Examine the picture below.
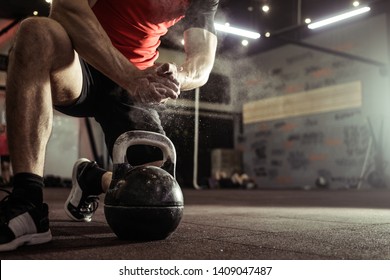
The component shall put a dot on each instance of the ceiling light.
(356, 3)
(267, 34)
(182, 42)
(48, 1)
(245, 43)
(236, 31)
(265, 8)
(35, 13)
(338, 18)
(308, 20)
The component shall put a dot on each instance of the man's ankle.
(92, 179)
(28, 187)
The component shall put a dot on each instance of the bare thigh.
(43, 46)
(66, 75)
(66, 83)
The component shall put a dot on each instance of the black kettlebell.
(143, 202)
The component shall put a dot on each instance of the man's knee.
(39, 37)
(33, 32)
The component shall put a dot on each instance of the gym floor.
(236, 224)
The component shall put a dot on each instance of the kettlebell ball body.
(143, 202)
(147, 204)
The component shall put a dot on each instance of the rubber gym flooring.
(236, 224)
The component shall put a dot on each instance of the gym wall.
(316, 119)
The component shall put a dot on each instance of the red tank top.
(135, 26)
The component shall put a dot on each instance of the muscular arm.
(90, 40)
(93, 44)
(200, 48)
(200, 43)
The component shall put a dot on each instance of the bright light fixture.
(265, 8)
(245, 43)
(338, 18)
(236, 31)
(307, 20)
(356, 3)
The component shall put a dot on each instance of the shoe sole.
(28, 239)
(75, 185)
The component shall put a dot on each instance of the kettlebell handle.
(140, 137)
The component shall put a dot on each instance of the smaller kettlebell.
(143, 202)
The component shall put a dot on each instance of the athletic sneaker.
(22, 223)
(80, 205)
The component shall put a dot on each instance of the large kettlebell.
(143, 202)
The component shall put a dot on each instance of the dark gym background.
(306, 109)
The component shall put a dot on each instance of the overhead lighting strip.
(338, 18)
(236, 31)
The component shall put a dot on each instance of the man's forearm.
(90, 40)
(194, 73)
(200, 51)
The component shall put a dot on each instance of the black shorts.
(109, 104)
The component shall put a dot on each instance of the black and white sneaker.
(80, 205)
(22, 223)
